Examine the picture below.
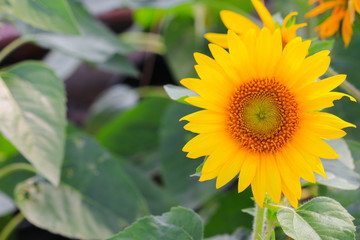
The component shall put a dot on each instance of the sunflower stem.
(11, 225)
(16, 167)
(12, 46)
(259, 221)
(346, 85)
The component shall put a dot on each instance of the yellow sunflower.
(260, 117)
(343, 14)
(240, 25)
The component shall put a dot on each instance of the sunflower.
(240, 24)
(260, 117)
(343, 14)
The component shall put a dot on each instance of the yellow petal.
(237, 22)
(288, 175)
(223, 58)
(297, 164)
(219, 156)
(202, 145)
(248, 171)
(311, 69)
(273, 179)
(289, 195)
(327, 119)
(259, 184)
(314, 145)
(239, 56)
(321, 87)
(230, 169)
(204, 116)
(202, 59)
(207, 90)
(200, 102)
(264, 14)
(209, 175)
(325, 101)
(217, 38)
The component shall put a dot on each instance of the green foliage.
(321, 218)
(94, 43)
(176, 167)
(48, 15)
(33, 106)
(82, 191)
(89, 202)
(178, 224)
(135, 130)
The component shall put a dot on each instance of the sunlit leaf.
(321, 218)
(179, 223)
(94, 200)
(95, 43)
(32, 115)
(48, 15)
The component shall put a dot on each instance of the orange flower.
(343, 13)
(240, 25)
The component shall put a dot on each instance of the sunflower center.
(263, 115)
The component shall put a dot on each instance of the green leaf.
(176, 168)
(48, 15)
(342, 149)
(135, 130)
(32, 110)
(95, 44)
(95, 199)
(178, 224)
(320, 45)
(339, 175)
(321, 218)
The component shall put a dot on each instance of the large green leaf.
(95, 199)
(178, 224)
(48, 15)
(32, 115)
(175, 166)
(321, 218)
(95, 43)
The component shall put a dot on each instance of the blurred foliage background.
(122, 157)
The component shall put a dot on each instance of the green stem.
(346, 85)
(12, 46)
(259, 221)
(16, 167)
(269, 229)
(10, 227)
